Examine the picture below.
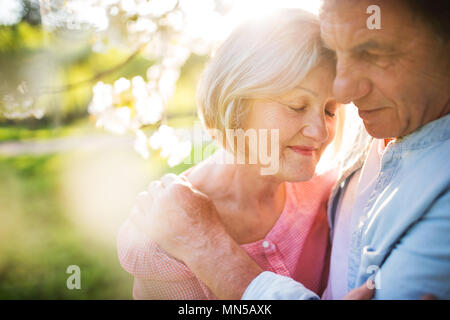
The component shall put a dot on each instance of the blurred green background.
(66, 186)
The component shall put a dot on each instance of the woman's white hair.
(260, 59)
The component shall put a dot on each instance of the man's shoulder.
(426, 164)
(416, 183)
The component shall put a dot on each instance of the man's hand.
(185, 223)
(177, 216)
(365, 292)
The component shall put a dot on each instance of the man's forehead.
(345, 10)
(346, 25)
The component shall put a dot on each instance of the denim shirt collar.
(433, 132)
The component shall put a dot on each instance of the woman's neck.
(248, 204)
(240, 185)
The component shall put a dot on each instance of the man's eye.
(366, 54)
(377, 59)
(371, 56)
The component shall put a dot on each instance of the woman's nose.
(316, 129)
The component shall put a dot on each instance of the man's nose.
(350, 84)
(316, 129)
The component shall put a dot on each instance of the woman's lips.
(303, 150)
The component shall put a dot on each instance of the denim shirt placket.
(389, 163)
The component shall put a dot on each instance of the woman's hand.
(178, 217)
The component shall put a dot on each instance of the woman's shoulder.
(143, 258)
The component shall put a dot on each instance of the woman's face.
(306, 119)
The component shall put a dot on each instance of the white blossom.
(180, 153)
(167, 82)
(102, 99)
(154, 72)
(173, 146)
(115, 120)
(149, 109)
(11, 12)
(141, 144)
(121, 85)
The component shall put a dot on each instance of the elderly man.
(390, 211)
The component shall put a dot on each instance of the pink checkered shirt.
(297, 246)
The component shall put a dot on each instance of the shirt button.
(265, 244)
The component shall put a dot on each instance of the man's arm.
(272, 286)
(185, 223)
(223, 266)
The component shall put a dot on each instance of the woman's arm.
(189, 289)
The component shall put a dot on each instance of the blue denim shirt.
(403, 237)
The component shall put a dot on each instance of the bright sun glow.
(214, 27)
(254, 8)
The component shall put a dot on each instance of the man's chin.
(380, 131)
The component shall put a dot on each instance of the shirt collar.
(433, 132)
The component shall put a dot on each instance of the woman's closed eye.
(300, 108)
(330, 114)
(297, 108)
(330, 108)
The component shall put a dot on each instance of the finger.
(184, 178)
(144, 202)
(186, 181)
(154, 188)
(429, 296)
(137, 218)
(365, 292)
(169, 179)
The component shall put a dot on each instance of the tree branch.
(95, 78)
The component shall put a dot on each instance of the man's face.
(398, 76)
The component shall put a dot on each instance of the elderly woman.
(271, 74)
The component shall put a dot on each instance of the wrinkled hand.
(429, 296)
(365, 292)
(178, 217)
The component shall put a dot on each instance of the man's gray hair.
(434, 13)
